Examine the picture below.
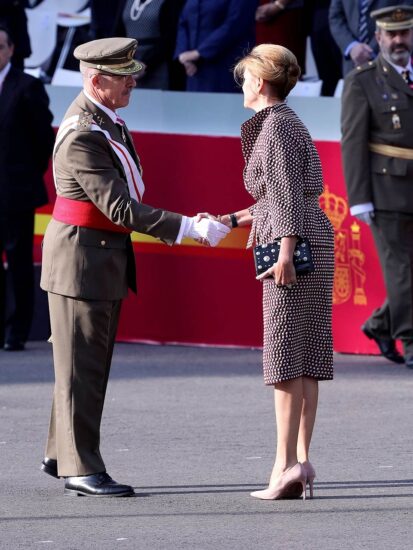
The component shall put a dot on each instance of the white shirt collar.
(3, 73)
(399, 69)
(111, 114)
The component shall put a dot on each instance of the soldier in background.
(377, 149)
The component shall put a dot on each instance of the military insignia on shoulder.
(365, 67)
(85, 121)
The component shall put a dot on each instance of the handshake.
(204, 229)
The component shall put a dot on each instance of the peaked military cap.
(110, 55)
(394, 18)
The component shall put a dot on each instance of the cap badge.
(399, 15)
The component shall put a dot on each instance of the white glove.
(363, 212)
(365, 217)
(207, 229)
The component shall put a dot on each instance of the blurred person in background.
(153, 23)
(13, 17)
(212, 35)
(105, 18)
(353, 29)
(283, 22)
(26, 143)
(327, 55)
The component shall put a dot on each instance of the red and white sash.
(132, 174)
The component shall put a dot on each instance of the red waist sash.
(83, 214)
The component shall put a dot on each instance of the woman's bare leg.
(288, 398)
(308, 415)
(288, 477)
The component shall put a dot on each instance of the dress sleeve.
(283, 162)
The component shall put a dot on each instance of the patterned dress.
(283, 174)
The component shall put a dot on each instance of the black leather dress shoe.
(49, 466)
(387, 346)
(14, 346)
(96, 485)
(409, 362)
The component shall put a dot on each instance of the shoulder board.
(85, 122)
(365, 67)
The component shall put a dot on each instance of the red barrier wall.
(192, 294)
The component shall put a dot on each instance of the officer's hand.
(206, 230)
(365, 217)
(361, 53)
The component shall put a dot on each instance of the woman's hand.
(225, 219)
(207, 215)
(283, 272)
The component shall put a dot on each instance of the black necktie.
(128, 142)
(121, 125)
(407, 78)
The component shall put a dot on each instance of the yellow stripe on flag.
(236, 239)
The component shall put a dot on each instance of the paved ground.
(192, 430)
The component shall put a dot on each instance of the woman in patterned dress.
(283, 174)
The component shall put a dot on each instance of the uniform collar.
(111, 114)
(401, 70)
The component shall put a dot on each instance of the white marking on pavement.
(385, 466)
(121, 450)
(122, 538)
(44, 541)
(252, 457)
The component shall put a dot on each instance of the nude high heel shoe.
(310, 476)
(291, 481)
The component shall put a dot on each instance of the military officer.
(377, 151)
(88, 261)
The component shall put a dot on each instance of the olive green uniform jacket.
(377, 107)
(86, 263)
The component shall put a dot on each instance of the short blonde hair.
(274, 64)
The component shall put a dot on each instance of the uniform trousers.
(17, 285)
(83, 336)
(393, 235)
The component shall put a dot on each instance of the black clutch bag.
(266, 255)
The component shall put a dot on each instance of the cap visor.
(395, 26)
(133, 68)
